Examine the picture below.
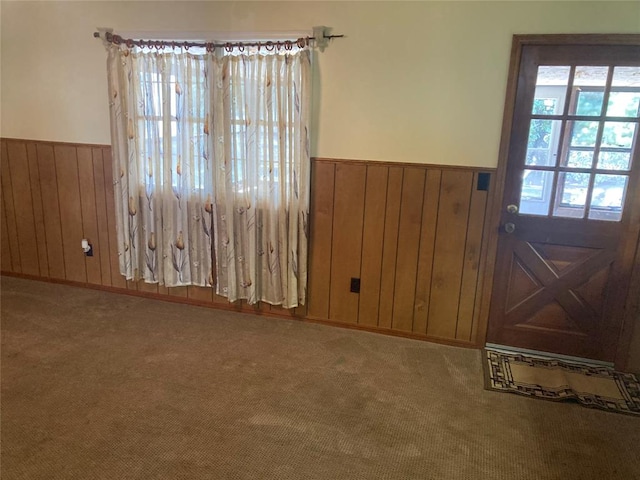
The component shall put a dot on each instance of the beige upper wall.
(412, 81)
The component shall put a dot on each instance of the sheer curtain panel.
(262, 169)
(211, 153)
(162, 167)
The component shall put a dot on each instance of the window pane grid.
(593, 144)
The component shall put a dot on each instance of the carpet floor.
(104, 386)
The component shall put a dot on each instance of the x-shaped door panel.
(557, 286)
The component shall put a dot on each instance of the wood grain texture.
(448, 260)
(174, 291)
(52, 223)
(390, 249)
(387, 224)
(372, 244)
(202, 294)
(321, 218)
(23, 205)
(409, 228)
(38, 209)
(347, 241)
(5, 255)
(70, 212)
(10, 212)
(102, 223)
(467, 312)
(89, 215)
(430, 201)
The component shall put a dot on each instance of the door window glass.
(593, 134)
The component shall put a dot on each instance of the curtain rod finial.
(102, 34)
(320, 34)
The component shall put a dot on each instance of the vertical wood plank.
(89, 214)
(38, 209)
(178, 291)
(475, 224)
(117, 280)
(408, 248)
(203, 294)
(372, 236)
(321, 213)
(23, 204)
(427, 246)
(347, 241)
(49, 189)
(5, 254)
(163, 290)
(300, 311)
(147, 287)
(10, 210)
(70, 212)
(453, 211)
(390, 246)
(102, 223)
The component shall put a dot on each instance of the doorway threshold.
(549, 355)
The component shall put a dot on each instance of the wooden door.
(571, 185)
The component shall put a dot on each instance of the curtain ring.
(209, 47)
(228, 47)
(186, 46)
(300, 42)
(269, 46)
(129, 43)
(288, 45)
(240, 47)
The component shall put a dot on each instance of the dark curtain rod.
(210, 46)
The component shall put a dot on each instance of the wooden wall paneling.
(51, 210)
(176, 291)
(38, 209)
(390, 246)
(301, 310)
(430, 207)
(147, 287)
(453, 212)
(102, 223)
(10, 210)
(89, 214)
(372, 236)
(70, 212)
(467, 303)
(321, 218)
(23, 204)
(346, 247)
(409, 227)
(285, 312)
(413, 234)
(5, 254)
(117, 280)
(202, 294)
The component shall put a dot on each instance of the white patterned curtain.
(260, 137)
(243, 190)
(162, 167)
